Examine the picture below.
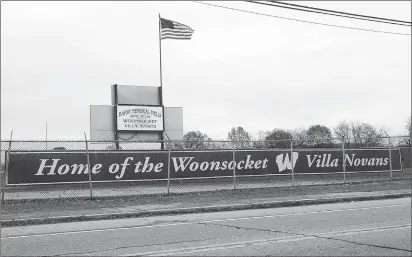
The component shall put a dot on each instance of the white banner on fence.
(139, 118)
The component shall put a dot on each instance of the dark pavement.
(358, 228)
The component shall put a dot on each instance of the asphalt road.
(358, 228)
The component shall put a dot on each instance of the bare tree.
(219, 145)
(175, 145)
(408, 140)
(278, 138)
(259, 140)
(359, 134)
(240, 137)
(300, 137)
(196, 140)
(365, 135)
(342, 130)
(319, 136)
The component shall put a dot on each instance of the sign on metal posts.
(139, 118)
(136, 114)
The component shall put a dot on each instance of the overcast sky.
(239, 69)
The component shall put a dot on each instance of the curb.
(218, 208)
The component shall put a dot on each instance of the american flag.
(175, 30)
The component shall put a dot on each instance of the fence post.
(293, 166)
(343, 160)
(6, 168)
(234, 165)
(168, 168)
(3, 176)
(390, 156)
(88, 167)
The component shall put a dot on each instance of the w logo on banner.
(286, 163)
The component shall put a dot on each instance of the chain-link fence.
(84, 169)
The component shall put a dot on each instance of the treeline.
(356, 134)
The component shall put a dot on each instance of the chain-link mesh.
(127, 187)
(390, 144)
(173, 153)
(313, 147)
(403, 145)
(3, 151)
(209, 151)
(21, 150)
(270, 178)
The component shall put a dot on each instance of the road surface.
(358, 228)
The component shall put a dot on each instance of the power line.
(352, 14)
(311, 22)
(327, 13)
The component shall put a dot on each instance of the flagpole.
(161, 79)
(160, 51)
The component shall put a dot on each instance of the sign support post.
(343, 160)
(88, 167)
(168, 169)
(116, 133)
(6, 170)
(234, 165)
(293, 166)
(390, 156)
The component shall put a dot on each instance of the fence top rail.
(212, 140)
(201, 149)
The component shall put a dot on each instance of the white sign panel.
(139, 118)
